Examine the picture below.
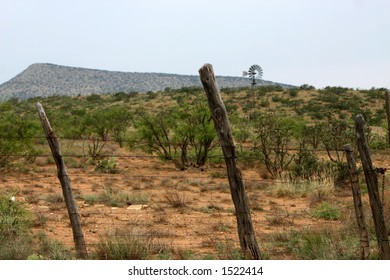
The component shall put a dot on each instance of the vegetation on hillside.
(293, 135)
(281, 128)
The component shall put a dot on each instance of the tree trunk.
(357, 201)
(222, 126)
(373, 192)
(74, 217)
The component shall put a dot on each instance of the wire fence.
(201, 225)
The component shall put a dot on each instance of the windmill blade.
(256, 71)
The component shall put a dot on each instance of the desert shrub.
(378, 118)
(326, 211)
(307, 87)
(311, 135)
(377, 142)
(318, 196)
(102, 125)
(15, 238)
(51, 249)
(112, 197)
(270, 88)
(109, 165)
(276, 98)
(184, 132)
(293, 92)
(124, 244)
(335, 90)
(375, 93)
(325, 244)
(273, 137)
(17, 134)
(116, 198)
(94, 98)
(227, 251)
(176, 199)
(306, 163)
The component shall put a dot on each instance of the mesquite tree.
(273, 137)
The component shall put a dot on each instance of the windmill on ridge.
(254, 73)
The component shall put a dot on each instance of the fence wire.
(211, 233)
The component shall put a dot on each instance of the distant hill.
(43, 80)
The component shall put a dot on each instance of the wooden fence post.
(387, 108)
(357, 201)
(373, 192)
(74, 217)
(246, 233)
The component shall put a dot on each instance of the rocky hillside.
(44, 80)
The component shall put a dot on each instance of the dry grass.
(176, 199)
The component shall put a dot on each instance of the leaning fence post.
(74, 217)
(357, 201)
(373, 192)
(246, 232)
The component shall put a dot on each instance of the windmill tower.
(254, 73)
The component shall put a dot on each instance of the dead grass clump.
(318, 196)
(124, 245)
(277, 220)
(33, 198)
(115, 198)
(264, 173)
(176, 199)
(55, 198)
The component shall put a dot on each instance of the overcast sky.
(317, 42)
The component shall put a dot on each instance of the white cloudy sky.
(318, 42)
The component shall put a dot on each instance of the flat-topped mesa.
(44, 79)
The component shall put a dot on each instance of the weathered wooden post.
(373, 192)
(357, 201)
(74, 217)
(387, 108)
(246, 233)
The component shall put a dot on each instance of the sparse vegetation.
(123, 244)
(289, 150)
(327, 211)
(176, 199)
(15, 221)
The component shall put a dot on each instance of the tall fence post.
(387, 108)
(64, 179)
(373, 192)
(246, 232)
(357, 201)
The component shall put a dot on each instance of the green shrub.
(326, 244)
(109, 165)
(326, 211)
(293, 92)
(93, 98)
(15, 238)
(51, 249)
(125, 245)
(307, 87)
(227, 251)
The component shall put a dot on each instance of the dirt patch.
(202, 221)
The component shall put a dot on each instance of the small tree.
(186, 132)
(17, 135)
(335, 133)
(273, 135)
(312, 135)
(155, 133)
(100, 126)
(195, 132)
